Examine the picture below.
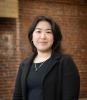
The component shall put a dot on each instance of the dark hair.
(55, 29)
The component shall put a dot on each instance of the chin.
(44, 49)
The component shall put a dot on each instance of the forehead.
(43, 25)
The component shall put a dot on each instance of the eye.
(38, 31)
(49, 32)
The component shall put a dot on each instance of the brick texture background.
(8, 57)
(71, 15)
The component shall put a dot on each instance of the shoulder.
(69, 65)
(66, 58)
(63, 57)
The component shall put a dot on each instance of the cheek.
(34, 37)
(51, 39)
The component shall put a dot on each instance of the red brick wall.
(9, 57)
(70, 15)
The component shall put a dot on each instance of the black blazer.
(60, 82)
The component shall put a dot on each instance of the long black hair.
(56, 47)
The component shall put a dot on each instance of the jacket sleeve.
(71, 80)
(17, 95)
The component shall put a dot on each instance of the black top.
(34, 82)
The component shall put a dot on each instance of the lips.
(42, 42)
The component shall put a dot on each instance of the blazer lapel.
(25, 73)
(50, 64)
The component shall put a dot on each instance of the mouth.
(42, 42)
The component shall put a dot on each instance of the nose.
(43, 35)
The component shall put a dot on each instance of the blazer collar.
(27, 65)
(26, 69)
(50, 64)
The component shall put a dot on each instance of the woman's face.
(43, 37)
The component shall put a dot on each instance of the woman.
(47, 74)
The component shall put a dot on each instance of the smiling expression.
(43, 37)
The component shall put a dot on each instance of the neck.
(42, 56)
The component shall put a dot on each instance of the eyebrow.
(45, 29)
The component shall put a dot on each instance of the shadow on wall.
(6, 44)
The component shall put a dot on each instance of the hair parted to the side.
(55, 29)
